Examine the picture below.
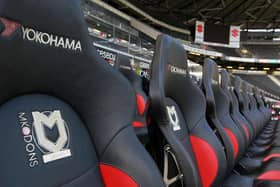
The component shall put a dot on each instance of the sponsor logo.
(9, 27)
(235, 33)
(173, 117)
(35, 137)
(199, 28)
(109, 57)
(174, 69)
(51, 39)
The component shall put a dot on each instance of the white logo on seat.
(176, 70)
(173, 118)
(52, 150)
(51, 39)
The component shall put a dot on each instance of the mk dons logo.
(52, 150)
(38, 135)
(173, 117)
(51, 39)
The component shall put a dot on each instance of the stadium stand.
(264, 51)
(227, 51)
(263, 82)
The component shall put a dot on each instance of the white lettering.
(28, 139)
(177, 70)
(51, 40)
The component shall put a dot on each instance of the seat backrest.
(179, 107)
(140, 123)
(238, 118)
(254, 105)
(261, 105)
(241, 93)
(67, 122)
(257, 96)
(244, 92)
(252, 111)
(252, 99)
(236, 82)
(222, 106)
(223, 102)
(210, 81)
(169, 67)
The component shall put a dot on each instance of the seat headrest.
(236, 82)
(168, 66)
(225, 79)
(210, 81)
(173, 57)
(125, 66)
(257, 91)
(210, 72)
(59, 18)
(250, 88)
(123, 63)
(170, 74)
(244, 87)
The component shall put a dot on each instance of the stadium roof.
(183, 13)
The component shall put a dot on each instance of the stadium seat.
(265, 168)
(66, 115)
(218, 106)
(244, 104)
(186, 117)
(248, 163)
(140, 122)
(179, 116)
(234, 107)
(261, 104)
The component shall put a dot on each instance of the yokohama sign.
(51, 39)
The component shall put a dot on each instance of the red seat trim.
(114, 177)
(138, 124)
(246, 131)
(234, 141)
(270, 175)
(276, 155)
(207, 160)
(141, 104)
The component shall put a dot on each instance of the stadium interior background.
(130, 28)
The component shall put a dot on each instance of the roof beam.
(264, 11)
(203, 5)
(232, 2)
(179, 4)
(240, 10)
(234, 8)
(156, 21)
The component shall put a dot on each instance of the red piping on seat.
(234, 141)
(270, 175)
(138, 124)
(207, 160)
(114, 177)
(271, 156)
(141, 104)
(246, 131)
